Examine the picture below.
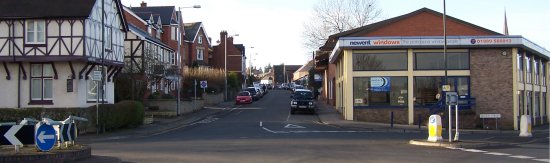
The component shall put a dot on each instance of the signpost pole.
(450, 124)
(456, 117)
(195, 100)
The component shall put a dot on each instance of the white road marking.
(293, 126)
(542, 160)
(474, 150)
(261, 123)
(498, 154)
(521, 156)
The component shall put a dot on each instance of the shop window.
(434, 61)
(520, 67)
(41, 83)
(536, 109)
(380, 91)
(379, 62)
(427, 90)
(528, 101)
(544, 109)
(528, 65)
(543, 73)
(536, 71)
(521, 100)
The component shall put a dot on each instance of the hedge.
(112, 116)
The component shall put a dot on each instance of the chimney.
(143, 4)
(223, 34)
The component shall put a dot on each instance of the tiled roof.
(191, 30)
(330, 43)
(45, 8)
(165, 13)
(142, 33)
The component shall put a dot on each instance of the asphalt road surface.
(265, 131)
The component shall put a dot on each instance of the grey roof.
(133, 28)
(165, 13)
(15, 9)
(191, 30)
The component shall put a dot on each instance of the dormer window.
(200, 39)
(35, 32)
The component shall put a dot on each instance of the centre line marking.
(261, 124)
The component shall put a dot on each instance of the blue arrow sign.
(45, 137)
(204, 84)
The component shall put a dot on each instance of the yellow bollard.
(434, 128)
(525, 126)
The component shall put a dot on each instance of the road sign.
(446, 88)
(17, 135)
(97, 76)
(67, 132)
(45, 137)
(204, 84)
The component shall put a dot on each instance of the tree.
(335, 16)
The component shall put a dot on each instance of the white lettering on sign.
(489, 115)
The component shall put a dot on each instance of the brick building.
(398, 66)
(235, 55)
(198, 44)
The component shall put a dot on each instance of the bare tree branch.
(335, 16)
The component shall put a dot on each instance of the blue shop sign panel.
(380, 84)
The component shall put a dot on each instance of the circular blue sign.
(45, 137)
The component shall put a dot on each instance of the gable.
(426, 24)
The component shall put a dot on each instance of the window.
(149, 30)
(174, 33)
(528, 101)
(434, 61)
(41, 83)
(520, 67)
(173, 58)
(521, 101)
(35, 32)
(200, 40)
(536, 109)
(380, 91)
(378, 62)
(108, 38)
(544, 109)
(426, 89)
(536, 68)
(92, 89)
(200, 54)
(528, 69)
(543, 73)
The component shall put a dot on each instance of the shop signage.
(358, 42)
(380, 84)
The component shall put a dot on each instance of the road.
(265, 131)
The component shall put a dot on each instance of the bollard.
(434, 128)
(525, 126)
(419, 120)
(391, 119)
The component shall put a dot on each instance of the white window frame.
(42, 77)
(200, 54)
(91, 92)
(34, 32)
(200, 40)
(108, 38)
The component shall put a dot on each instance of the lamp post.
(225, 64)
(250, 69)
(178, 58)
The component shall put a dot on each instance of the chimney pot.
(143, 4)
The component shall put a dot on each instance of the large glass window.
(521, 101)
(544, 109)
(434, 61)
(528, 98)
(528, 69)
(200, 54)
(427, 90)
(520, 67)
(536, 109)
(41, 82)
(543, 73)
(380, 91)
(536, 68)
(379, 62)
(35, 32)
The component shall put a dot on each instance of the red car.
(243, 97)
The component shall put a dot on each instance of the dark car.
(253, 92)
(302, 100)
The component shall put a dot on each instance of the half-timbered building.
(150, 63)
(49, 49)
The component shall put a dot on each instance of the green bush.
(120, 115)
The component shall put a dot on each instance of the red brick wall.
(234, 63)
(425, 24)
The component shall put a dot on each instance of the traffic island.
(459, 144)
(31, 154)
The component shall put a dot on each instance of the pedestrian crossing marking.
(293, 126)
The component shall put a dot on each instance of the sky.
(274, 27)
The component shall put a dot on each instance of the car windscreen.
(303, 95)
(244, 94)
(299, 87)
(251, 90)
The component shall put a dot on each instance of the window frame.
(200, 54)
(42, 77)
(416, 54)
(88, 99)
(108, 38)
(35, 32)
(405, 68)
(200, 39)
(389, 94)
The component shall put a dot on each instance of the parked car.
(255, 93)
(302, 100)
(296, 87)
(243, 97)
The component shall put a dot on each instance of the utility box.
(451, 98)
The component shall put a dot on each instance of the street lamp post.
(178, 58)
(225, 63)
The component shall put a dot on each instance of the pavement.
(326, 114)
